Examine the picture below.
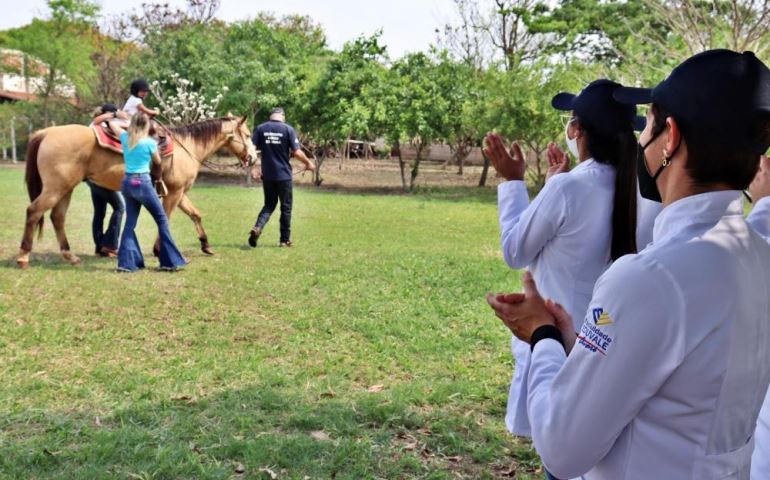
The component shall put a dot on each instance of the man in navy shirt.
(277, 142)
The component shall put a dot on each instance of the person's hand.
(510, 163)
(310, 167)
(558, 161)
(563, 323)
(760, 186)
(522, 313)
(256, 172)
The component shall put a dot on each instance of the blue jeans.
(275, 190)
(100, 197)
(138, 191)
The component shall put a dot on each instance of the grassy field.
(366, 351)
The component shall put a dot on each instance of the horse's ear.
(242, 120)
(230, 115)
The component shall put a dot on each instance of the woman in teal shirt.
(138, 151)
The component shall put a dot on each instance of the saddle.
(106, 138)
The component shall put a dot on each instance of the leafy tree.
(345, 101)
(61, 41)
(418, 112)
(519, 108)
(460, 85)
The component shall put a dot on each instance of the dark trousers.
(100, 197)
(277, 190)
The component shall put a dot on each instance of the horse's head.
(238, 139)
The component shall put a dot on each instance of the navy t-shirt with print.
(276, 140)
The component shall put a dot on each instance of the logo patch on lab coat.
(601, 317)
(592, 337)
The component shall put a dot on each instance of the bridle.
(238, 139)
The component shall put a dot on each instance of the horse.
(59, 158)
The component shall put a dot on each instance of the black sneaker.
(254, 236)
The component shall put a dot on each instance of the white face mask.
(571, 142)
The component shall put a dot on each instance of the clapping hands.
(558, 161)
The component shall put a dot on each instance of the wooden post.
(13, 139)
(5, 151)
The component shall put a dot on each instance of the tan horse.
(59, 158)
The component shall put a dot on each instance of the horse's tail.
(32, 174)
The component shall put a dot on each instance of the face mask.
(648, 186)
(571, 142)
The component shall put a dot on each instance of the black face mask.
(648, 187)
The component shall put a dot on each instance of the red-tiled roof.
(17, 95)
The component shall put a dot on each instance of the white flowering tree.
(180, 104)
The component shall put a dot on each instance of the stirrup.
(160, 188)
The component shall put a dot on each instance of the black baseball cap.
(720, 91)
(595, 106)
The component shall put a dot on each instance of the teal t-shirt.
(138, 158)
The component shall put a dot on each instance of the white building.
(22, 77)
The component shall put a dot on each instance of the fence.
(14, 136)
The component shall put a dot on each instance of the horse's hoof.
(22, 264)
(71, 258)
(156, 252)
(207, 250)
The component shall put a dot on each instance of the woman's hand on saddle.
(509, 163)
(760, 186)
(558, 161)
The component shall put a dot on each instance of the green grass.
(263, 358)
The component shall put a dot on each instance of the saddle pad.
(105, 139)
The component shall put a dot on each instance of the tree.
(460, 85)
(519, 108)
(417, 110)
(498, 29)
(61, 42)
(344, 102)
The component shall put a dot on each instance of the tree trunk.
(484, 172)
(402, 166)
(415, 168)
(317, 180)
(13, 139)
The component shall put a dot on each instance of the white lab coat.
(673, 359)
(760, 460)
(563, 237)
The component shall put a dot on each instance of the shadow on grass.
(54, 261)
(382, 435)
(453, 193)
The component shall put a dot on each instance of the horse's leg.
(195, 215)
(58, 215)
(45, 201)
(170, 202)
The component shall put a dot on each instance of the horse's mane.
(205, 131)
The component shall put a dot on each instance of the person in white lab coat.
(760, 193)
(579, 222)
(667, 374)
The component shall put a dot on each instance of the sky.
(408, 25)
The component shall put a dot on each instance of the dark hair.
(139, 85)
(712, 161)
(619, 150)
